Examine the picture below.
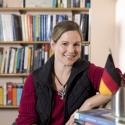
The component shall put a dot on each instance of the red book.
(9, 93)
(14, 95)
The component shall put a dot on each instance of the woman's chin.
(69, 63)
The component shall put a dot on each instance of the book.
(38, 3)
(13, 3)
(1, 3)
(98, 117)
(19, 92)
(1, 95)
(14, 95)
(9, 87)
(1, 56)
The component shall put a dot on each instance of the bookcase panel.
(24, 30)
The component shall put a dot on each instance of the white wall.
(120, 34)
(7, 116)
(102, 23)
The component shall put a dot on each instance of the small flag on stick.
(111, 79)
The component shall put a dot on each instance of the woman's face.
(68, 48)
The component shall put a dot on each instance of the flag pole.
(110, 52)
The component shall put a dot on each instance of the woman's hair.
(63, 27)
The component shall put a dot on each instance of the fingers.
(71, 121)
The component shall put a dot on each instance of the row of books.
(45, 3)
(10, 94)
(101, 116)
(28, 27)
(22, 59)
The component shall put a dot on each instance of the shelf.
(9, 107)
(32, 42)
(23, 42)
(43, 9)
(85, 42)
(14, 75)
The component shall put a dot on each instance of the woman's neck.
(61, 69)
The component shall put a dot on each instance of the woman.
(63, 85)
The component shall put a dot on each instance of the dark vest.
(79, 88)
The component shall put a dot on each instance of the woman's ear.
(52, 44)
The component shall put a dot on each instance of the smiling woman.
(65, 83)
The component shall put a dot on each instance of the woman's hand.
(90, 103)
(94, 101)
(71, 121)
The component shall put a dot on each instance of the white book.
(3, 61)
(65, 3)
(54, 20)
(13, 3)
(48, 27)
(4, 95)
(23, 26)
(86, 50)
(3, 19)
(7, 60)
(26, 27)
(9, 27)
(12, 60)
(38, 3)
(26, 58)
(82, 3)
(77, 18)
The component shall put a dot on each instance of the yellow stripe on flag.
(103, 89)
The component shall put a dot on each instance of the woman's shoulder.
(95, 67)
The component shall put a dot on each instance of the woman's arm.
(92, 102)
(95, 101)
(27, 113)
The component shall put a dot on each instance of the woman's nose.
(71, 48)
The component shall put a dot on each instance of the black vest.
(79, 88)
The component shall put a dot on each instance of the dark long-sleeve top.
(27, 110)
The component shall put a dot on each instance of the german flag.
(111, 79)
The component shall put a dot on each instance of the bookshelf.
(76, 10)
(24, 42)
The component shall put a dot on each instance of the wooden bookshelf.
(14, 75)
(24, 11)
(33, 42)
(44, 9)
(23, 42)
(9, 107)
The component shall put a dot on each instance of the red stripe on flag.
(109, 82)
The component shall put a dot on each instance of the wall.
(102, 24)
(120, 34)
(7, 116)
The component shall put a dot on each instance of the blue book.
(54, 3)
(87, 3)
(19, 92)
(97, 117)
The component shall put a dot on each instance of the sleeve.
(94, 75)
(27, 113)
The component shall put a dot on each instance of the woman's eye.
(65, 44)
(77, 44)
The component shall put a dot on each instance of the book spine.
(19, 93)
(1, 95)
(9, 93)
(94, 119)
(14, 95)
